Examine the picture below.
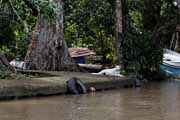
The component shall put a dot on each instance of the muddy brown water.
(154, 101)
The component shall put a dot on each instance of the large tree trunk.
(119, 31)
(48, 50)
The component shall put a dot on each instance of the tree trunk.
(119, 31)
(178, 3)
(48, 49)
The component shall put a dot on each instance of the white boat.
(171, 58)
(171, 62)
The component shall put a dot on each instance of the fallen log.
(91, 67)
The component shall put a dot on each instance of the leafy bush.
(4, 72)
(141, 54)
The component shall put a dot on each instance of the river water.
(154, 101)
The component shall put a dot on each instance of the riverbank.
(54, 83)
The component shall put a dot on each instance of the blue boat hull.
(170, 69)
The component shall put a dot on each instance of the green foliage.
(7, 45)
(90, 24)
(7, 51)
(137, 20)
(135, 8)
(47, 8)
(141, 53)
(21, 43)
(17, 21)
(4, 72)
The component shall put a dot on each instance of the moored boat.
(171, 62)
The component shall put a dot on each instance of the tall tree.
(48, 50)
(119, 30)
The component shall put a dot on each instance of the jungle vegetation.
(148, 26)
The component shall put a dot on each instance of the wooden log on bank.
(91, 67)
(44, 86)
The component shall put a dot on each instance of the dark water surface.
(155, 101)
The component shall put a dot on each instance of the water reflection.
(155, 101)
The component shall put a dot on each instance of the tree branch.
(23, 22)
(6, 63)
